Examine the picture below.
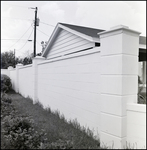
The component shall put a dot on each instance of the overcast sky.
(17, 19)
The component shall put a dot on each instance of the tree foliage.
(7, 59)
(44, 44)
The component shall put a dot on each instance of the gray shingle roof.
(85, 30)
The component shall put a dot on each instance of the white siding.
(67, 42)
(72, 86)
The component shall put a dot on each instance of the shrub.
(6, 106)
(19, 133)
(5, 98)
(141, 95)
(5, 83)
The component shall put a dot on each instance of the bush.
(141, 95)
(6, 106)
(18, 132)
(5, 83)
(5, 98)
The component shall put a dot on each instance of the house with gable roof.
(67, 39)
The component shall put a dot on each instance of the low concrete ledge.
(136, 107)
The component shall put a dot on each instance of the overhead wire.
(26, 41)
(16, 18)
(15, 5)
(20, 37)
(42, 32)
(47, 24)
(36, 40)
(27, 29)
(43, 22)
(13, 39)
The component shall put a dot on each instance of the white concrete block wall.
(136, 126)
(73, 87)
(25, 82)
(13, 79)
(119, 82)
(5, 71)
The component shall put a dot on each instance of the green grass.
(60, 133)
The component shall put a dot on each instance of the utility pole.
(35, 23)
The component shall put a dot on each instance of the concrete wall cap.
(10, 68)
(119, 27)
(136, 107)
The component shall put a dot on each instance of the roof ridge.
(79, 26)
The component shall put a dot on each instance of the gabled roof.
(83, 32)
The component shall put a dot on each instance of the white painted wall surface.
(25, 82)
(13, 78)
(136, 125)
(5, 71)
(73, 87)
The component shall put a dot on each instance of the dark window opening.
(142, 54)
(97, 44)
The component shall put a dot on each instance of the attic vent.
(97, 44)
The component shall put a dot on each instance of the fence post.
(36, 60)
(119, 82)
(17, 77)
(9, 69)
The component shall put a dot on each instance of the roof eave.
(53, 35)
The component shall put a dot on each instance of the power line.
(16, 5)
(16, 18)
(47, 24)
(26, 41)
(13, 39)
(42, 32)
(20, 37)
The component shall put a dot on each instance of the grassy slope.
(55, 125)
